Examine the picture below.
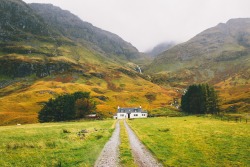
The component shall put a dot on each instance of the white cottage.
(123, 113)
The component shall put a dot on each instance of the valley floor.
(173, 141)
(195, 141)
(54, 144)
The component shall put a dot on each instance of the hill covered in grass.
(219, 55)
(210, 53)
(46, 51)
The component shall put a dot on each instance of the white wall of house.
(122, 115)
(138, 115)
(132, 115)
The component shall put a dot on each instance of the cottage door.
(128, 115)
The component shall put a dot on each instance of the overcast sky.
(146, 23)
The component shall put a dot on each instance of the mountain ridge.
(209, 44)
(219, 55)
(73, 27)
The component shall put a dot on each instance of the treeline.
(67, 107)
(200, 99)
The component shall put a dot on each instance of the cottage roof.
(130, 110)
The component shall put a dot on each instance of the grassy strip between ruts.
(54, 144)
(126, 158)
(195, 141)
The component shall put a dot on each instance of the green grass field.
(195, 141)
(54, 144)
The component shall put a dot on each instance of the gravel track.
(109, 156)
(142, 156)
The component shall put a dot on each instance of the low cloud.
(145, 23)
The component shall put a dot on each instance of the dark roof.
(130, 110)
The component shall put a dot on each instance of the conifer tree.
(200, 99)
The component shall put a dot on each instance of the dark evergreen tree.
(64, 108)
(200, 99)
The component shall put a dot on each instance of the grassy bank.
(54, 144)
(195, 141)
(126, 158)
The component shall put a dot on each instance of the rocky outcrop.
(18, 68)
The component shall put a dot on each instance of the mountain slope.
(44, 61)
(219, 55)
(78, 30)
(18, 21)
(160, 48)
(224, 43)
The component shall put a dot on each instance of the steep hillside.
(49, 59)
(21, 27)
(219, 55)
(19, 21)
(78, 30)
(223, 44)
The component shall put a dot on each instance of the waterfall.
(139, 68)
